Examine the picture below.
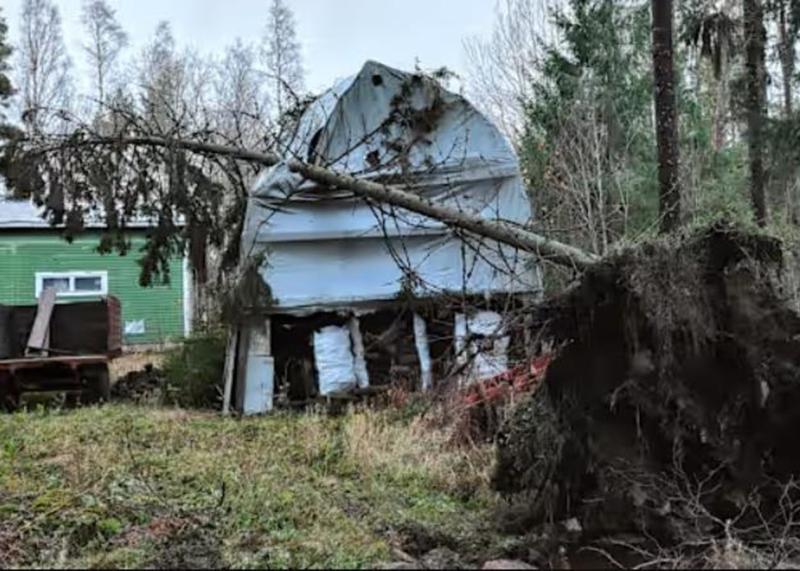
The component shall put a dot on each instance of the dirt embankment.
(673, 409)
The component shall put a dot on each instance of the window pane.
(92, 284)
(60, 284)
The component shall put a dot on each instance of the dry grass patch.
(134, 362)
(121, 486)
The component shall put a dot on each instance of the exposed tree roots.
(673, 408)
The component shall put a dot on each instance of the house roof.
(25, 215)
(384, 122)
(329, 250)
(21, 214)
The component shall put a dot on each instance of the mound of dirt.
(673, 404)
(139, 386)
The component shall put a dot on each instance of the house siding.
(23, 254)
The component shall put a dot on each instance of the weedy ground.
(123, 486)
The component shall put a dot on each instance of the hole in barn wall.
(389, 348)
(389, 343)
(293, 351)
(377, 80)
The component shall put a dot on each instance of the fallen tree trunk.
(500, 231)
(503, 232)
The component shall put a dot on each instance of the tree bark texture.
(666, 116)
(755, 39)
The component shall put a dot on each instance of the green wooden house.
(33, 256)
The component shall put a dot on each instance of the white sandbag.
(481, 360)
(360, 360)
(488, 362)
(486, 323)
(333, 357)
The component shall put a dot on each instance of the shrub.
(194, 371)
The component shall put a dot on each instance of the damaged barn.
(353, 294)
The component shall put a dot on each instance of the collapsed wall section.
(350, 354)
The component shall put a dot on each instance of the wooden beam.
(39, 339)
(230, 367)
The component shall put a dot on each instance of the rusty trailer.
(81, 339)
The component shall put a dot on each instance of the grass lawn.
(121, 486)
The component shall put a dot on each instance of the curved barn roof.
(328, 248)
(385, 121)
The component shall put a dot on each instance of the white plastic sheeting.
(343, 126)
(423, 352)
(359, 358)
(326, 248)
(333, 356)
(481, 345)
(488, 362)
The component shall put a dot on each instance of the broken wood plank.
(230, 366)
(39, 339)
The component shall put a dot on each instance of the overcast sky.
(337, 35)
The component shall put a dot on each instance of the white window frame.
(71, 276)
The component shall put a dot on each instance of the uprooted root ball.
(674, 405)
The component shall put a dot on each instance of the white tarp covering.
(423, 352)
(490, 357)
(359, 357)
(326, 248)
(333, 356)
(481, 345)
(348, 123)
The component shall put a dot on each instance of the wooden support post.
(460, 344)
(230, 368)
(259, 378)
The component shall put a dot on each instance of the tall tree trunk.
(722, 103)
(755, 39)
(787, 58)
(666, 116)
